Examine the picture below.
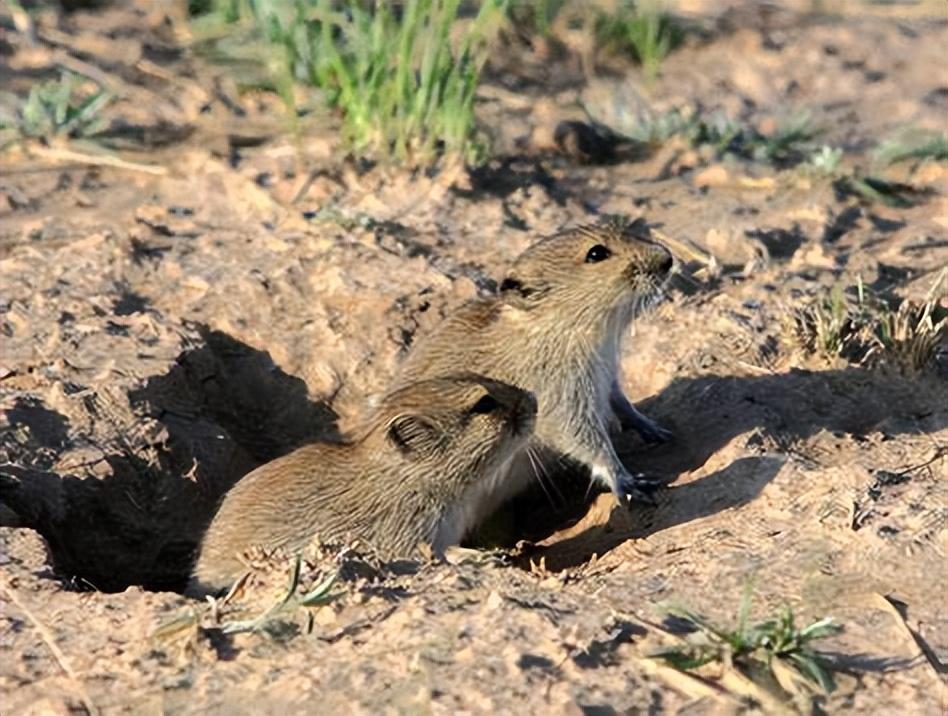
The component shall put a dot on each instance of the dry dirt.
(164, 334)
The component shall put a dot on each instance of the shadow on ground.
(135, 512)
(775, 412)
(135, 515)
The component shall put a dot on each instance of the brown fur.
(555, 329)
(405, 478)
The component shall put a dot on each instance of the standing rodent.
(408, 476)
(555, 329)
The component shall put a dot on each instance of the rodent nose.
(658, 260)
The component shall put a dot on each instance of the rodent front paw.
(637, 488)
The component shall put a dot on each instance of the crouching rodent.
(410, 474)
(555, 329)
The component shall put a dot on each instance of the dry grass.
(862, 328)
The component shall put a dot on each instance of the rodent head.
(589, 271)
(461, 421)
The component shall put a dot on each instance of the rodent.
(408, 475)
(555, 329)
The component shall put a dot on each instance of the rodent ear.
(639, 229)
(516, 293)
(511, 284)
(412, 434)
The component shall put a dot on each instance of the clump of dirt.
(163, 334)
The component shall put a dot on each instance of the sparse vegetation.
(643, 28)
(826, 160)
(320, 595)
(55, 112)
(913, 145)
(865, 329)
(538, 15)
(790, 143)
(651, 129)
(852, 181)
(776, 644)
(873, 189)
(190, 620)
(403, 77)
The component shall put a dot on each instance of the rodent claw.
(638, 488)
(654, 434)
(650, 431)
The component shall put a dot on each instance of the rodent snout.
(652, 262)
(659, 261)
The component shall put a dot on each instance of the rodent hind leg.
(629, 417)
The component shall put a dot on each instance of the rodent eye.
(597, 253)
(487, 404)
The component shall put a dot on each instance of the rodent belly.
(481, 500)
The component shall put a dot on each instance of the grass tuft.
(643, 28)
(654, 130)
(777, 644)
(865, 329)
(537, 16)
(402, 76)
(913, 145)
(318, 596)
(874, 189)
(56, 111)
(790, 143)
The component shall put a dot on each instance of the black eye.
(486, 404)
(597, 253)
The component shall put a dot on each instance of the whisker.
(536, 473)
(589, 488)
(552, 482)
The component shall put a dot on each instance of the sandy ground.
(164, 334)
